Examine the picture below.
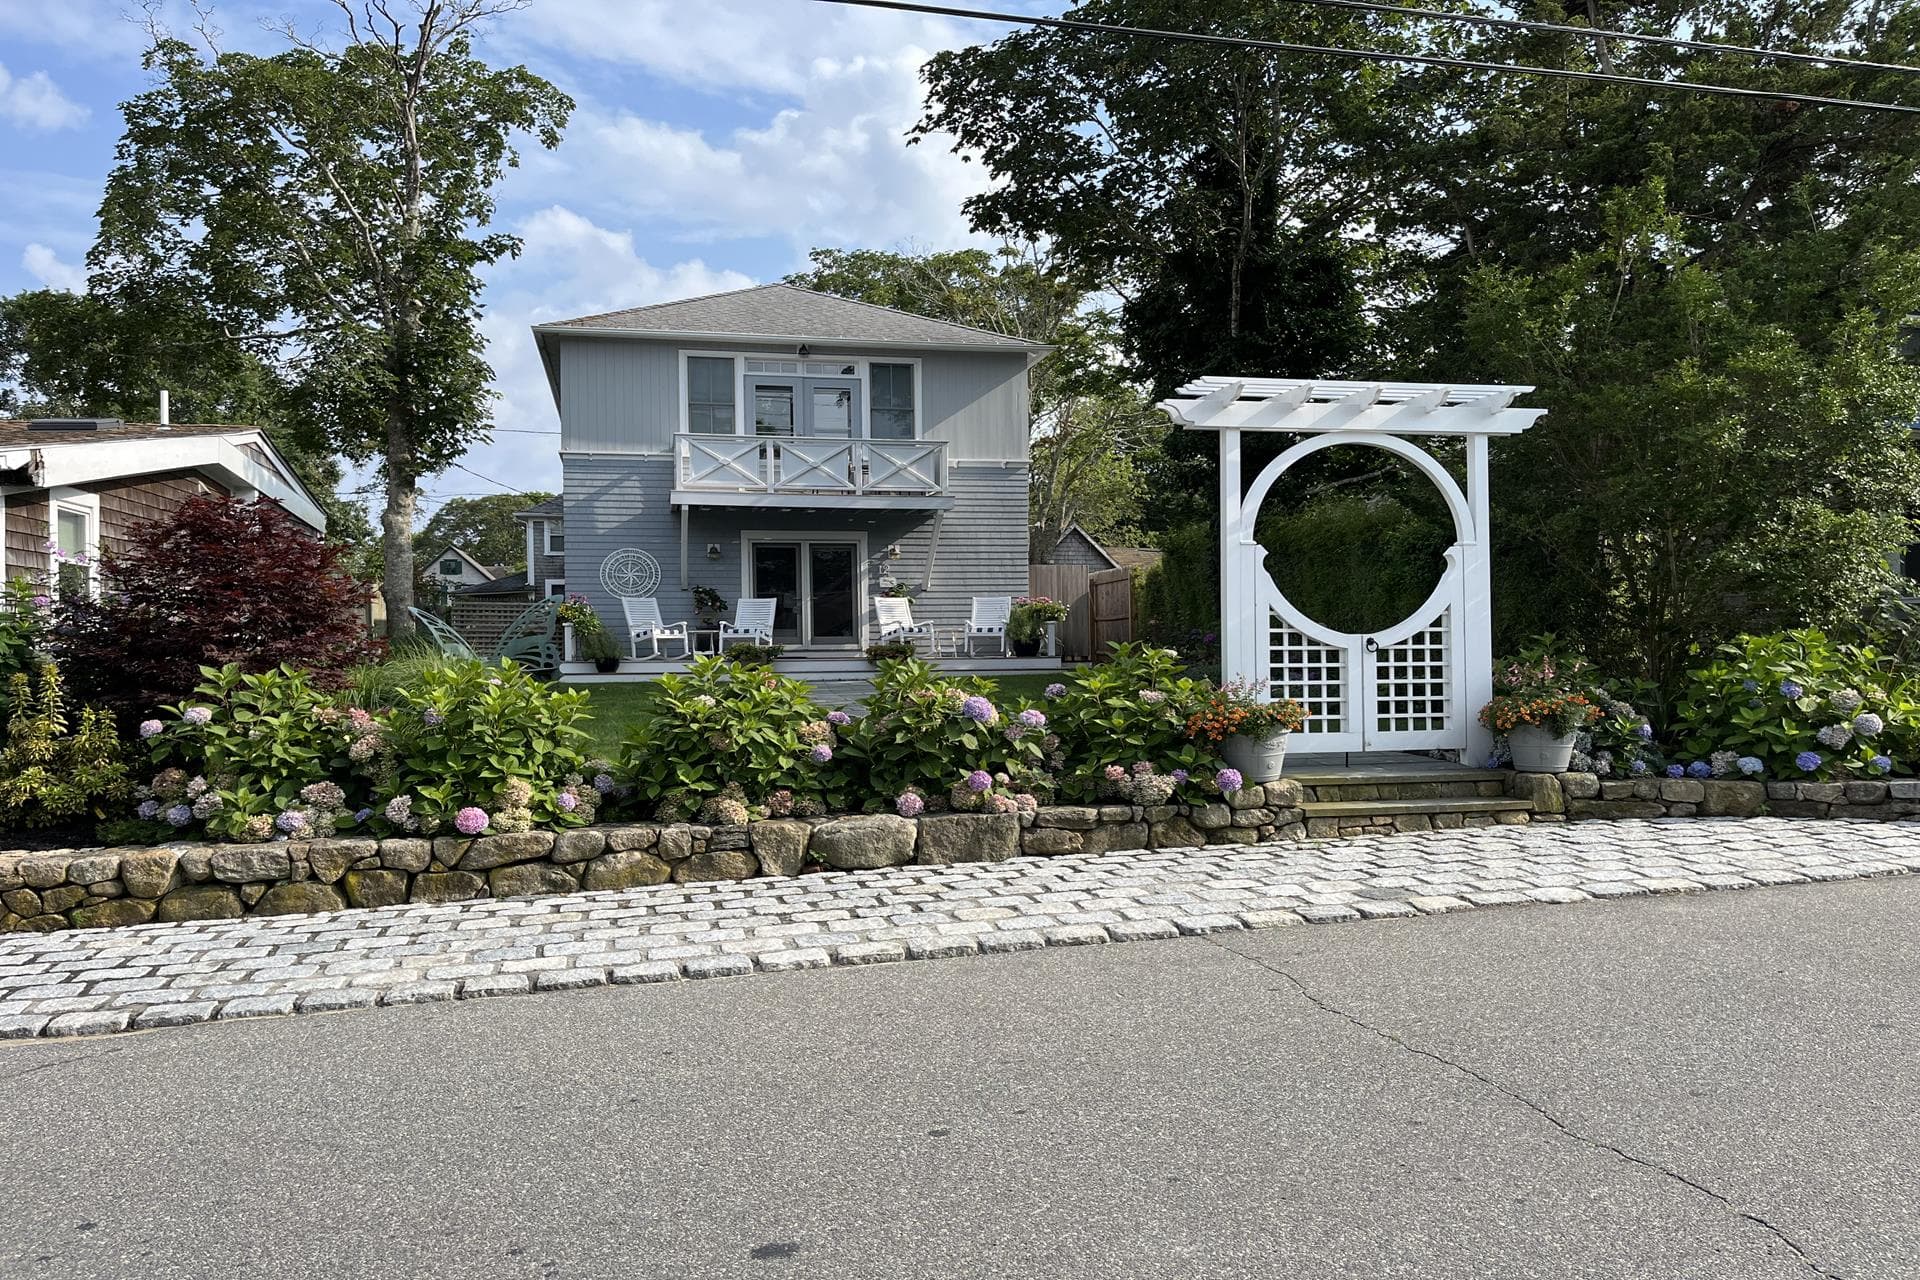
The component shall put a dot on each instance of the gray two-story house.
(776, 442)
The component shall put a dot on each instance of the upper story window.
(450, 567)
(556, 537)
(892, 391)
(838, 399)
(710, 395)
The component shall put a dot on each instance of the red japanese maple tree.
(219, 581)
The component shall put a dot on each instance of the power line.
(1605, 33)
(489, 479)
(1373, 55)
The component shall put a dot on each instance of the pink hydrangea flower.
(1115, 773)
(1033, 719)
(839, 719)
(471, 821)
(908, 804)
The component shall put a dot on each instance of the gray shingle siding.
(621, 501)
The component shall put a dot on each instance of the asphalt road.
(1673, 1088)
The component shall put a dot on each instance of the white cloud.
(35, 102)
(44, 265)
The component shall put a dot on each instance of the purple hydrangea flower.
(1056, 691)
(839, 719)
(361, 815)
(603, 783)
(1645, 731)
(567, 801)
(820, 754)
(1229, 780)
(1033, 719)
(1700, 769)
(1867, 724)
(1881, 764)
(1808, 761)
(41, 602)
(432, 719)
(908, 804)
(1790, 691)
(1637, 768)
(979, 780)
(1749, 765)
(979, 710)
(148, 728)
(1493, 760)
(197, 715)
(180, 815)
(1676, 771)
(471, 821)
(293, 822)
(1179, 776)
(149, 809)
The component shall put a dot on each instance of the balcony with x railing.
(808, 471)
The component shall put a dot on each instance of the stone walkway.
(95, 982)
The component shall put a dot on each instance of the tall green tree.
(329, 208)
(1091, 426)
(484, 528)
(71, 354)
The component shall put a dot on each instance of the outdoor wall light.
(713, 551)
(805, 351)
(893, 551)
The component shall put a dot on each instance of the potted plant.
(1034, 619)
(709, 606)
(1540, 703)
(596, 646)
(1248, 730)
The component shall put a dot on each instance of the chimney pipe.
(166, 411)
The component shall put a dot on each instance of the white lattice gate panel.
(1313, 674)
(1412, 683)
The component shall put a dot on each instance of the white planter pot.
(1537, 751)
(1051, 648)
(1259, 760)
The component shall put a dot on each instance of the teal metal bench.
(532, 639)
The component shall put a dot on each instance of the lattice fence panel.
(1411, 688)
(1312, 674)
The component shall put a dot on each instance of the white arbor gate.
(1420, 683)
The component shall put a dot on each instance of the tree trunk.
(396, 529)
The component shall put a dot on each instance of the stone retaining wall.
(100, 888)
(1585, 795)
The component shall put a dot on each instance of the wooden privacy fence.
(1099, 602)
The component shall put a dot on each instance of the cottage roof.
(553, 508)
(792, 314)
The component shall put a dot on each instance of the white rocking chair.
(989, 621)
(643, 619)
(752, 621)
(896, 621)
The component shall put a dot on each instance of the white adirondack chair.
(896, 621)
(643, 619)
(752, 620)
(989, 621)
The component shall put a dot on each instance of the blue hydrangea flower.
(1750, 765)
(1638, 768)
(1493, 761)
(1056, 691)
(149, 809)
(1676, 771)
(180, 815)
(1881, 764)
(1835, 736)
(1867, 724)
(362, 815)
(979, 710)
(1808, 761)
(1751, 686)
(821, 754)
(1789, 690)
(1645, 731)
(1700, 769)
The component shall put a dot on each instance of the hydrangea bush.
(1801, 705)
(922, 728)
(1130, 709)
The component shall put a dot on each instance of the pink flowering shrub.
(1130, 709)
(922, 727)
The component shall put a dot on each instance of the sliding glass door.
(816, 587)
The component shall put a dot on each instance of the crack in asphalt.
(18, 1076)
(1559, 1123)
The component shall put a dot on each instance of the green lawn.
(616, 706)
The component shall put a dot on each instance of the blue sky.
(714, 143)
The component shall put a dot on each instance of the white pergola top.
(1307, 405)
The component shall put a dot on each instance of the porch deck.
(841, 665)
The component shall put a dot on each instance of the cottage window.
(556, 538)
(74, 538)
(450, 568)
(710, 395)
(891, 386)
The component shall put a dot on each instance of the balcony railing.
(810, 465)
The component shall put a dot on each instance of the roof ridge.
(672, 302)
(902, 311)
